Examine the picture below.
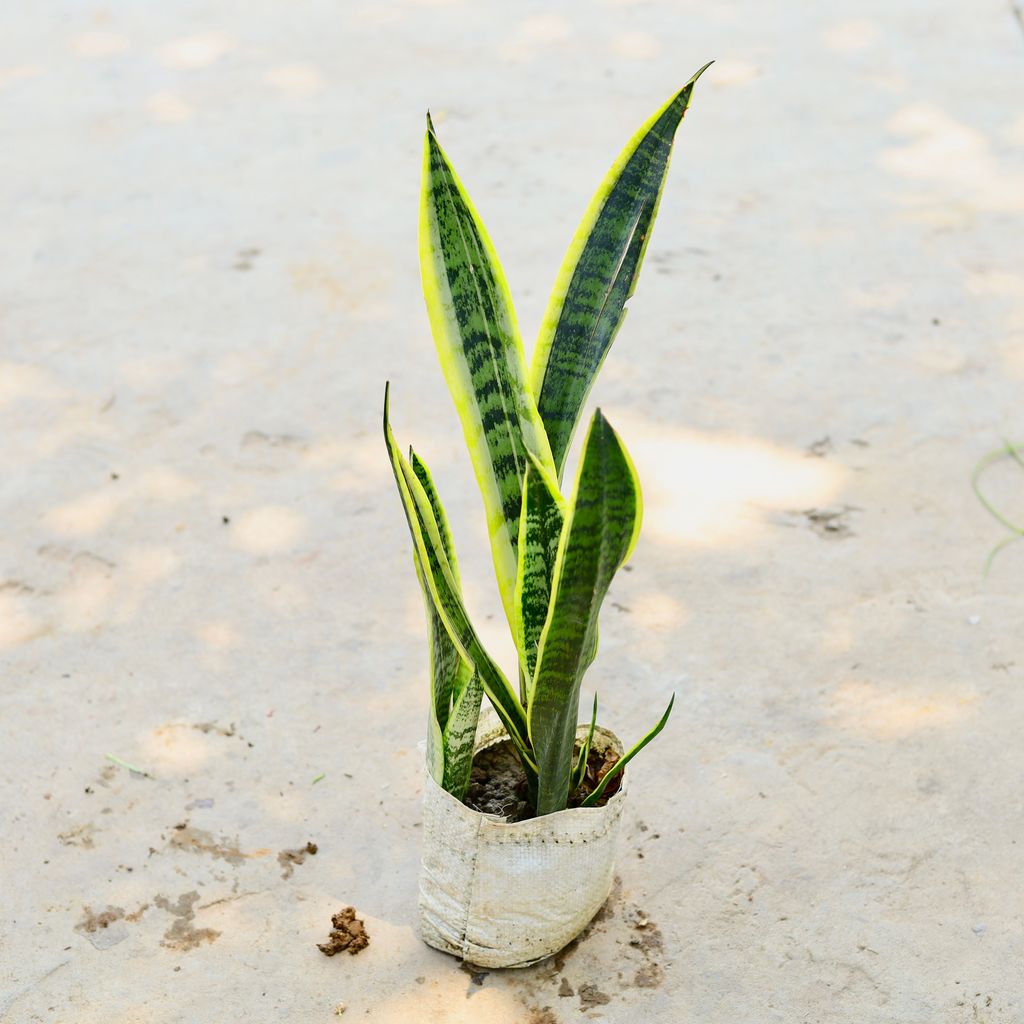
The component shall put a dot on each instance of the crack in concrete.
(15, 997)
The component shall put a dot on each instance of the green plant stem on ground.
(1008, 451)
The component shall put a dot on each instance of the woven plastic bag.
(507, 894)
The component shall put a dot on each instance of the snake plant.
(554, 554)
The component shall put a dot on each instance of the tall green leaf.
(455, 690)
(447, 600)
(540, 527)
(481, 353)
(599, 274)
(449, 670)
(599, 534)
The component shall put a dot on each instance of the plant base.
(507, 894)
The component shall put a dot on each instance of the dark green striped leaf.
(599, 275)
(445, 662)
(447, 600)
(481, 353)
(460, 735)
(596, 794)
(540, 528)
(455, 689)
(599, 533)
(448, 669)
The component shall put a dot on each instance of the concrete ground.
(208, 269)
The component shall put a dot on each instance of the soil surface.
(348, 933)
(497, 782)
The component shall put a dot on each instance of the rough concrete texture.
(209, 269)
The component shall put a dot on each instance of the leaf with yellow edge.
(481, 354)
(599, 274)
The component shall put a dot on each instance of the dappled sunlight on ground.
(18, 622)
(636, 46)
(99, 44)
(955, 158)
(354, 465)
(268, 529)
(83, 515)
(19, 73)
(890, 711)
(27, 382)
(197, 51)
(170, 108)
(298, 80)
(219, 635)
(850, 36)
(93, 511)
(734, 72)
(535, 35)
(174, 749)
(349, 280)
(713, 489)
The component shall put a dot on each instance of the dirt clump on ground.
(348, 934)
(497, 782)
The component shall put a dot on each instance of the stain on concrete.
(80, 835)
(103, 928)
(289, 858)
(591, 996)
(197, 840)
(94, 921)
(182, 934)
(830, 523)
(542, 1015)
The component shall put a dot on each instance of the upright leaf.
(442, 674)
(481, 353)
(448, 669)
(540, 528)
(599, 274)
(580, 769)
(599, 533)
(455, 690)
(447, 600)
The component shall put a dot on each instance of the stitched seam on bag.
(472, 887)
(497, 839)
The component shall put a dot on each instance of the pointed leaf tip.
(693, 80)
(430, 125)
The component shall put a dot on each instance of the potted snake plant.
(509, 882)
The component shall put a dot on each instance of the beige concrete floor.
(207, 271)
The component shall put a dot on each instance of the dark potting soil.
(497, 782)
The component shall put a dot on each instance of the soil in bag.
(497, 782)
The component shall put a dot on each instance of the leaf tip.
(430, 125)
(687, 89)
